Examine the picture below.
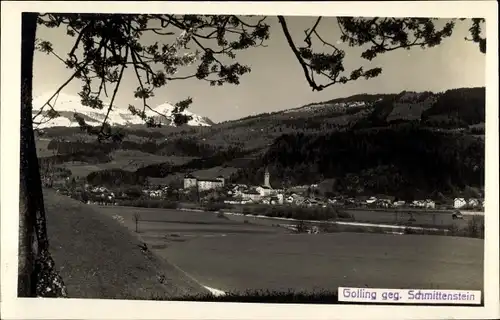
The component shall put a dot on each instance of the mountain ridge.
(67, 105)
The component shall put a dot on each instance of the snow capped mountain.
(166, 110)
(67, 105)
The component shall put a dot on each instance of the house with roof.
(252, 195)
(418, 203)
(311, 202)
(371, 200)
(295, 199)
(384, 203)
(429, 204)
(474, 203)
(274, 199)
(459, 203)
(190, 181)
(264, 190)
(399, 203)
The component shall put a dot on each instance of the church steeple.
(267, 178)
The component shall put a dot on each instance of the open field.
(129, 160)
(235, 256)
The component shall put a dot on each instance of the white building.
(210, 184)
(264, 190)
(418, 203)
(190, 181)
(459, 203)
(429, 204)
(203, 184)
(280, 197)
(399, 203)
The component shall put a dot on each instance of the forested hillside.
(464, 105)
(398, 161)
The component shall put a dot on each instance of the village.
(218, 190)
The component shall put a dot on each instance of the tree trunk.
(36, 275)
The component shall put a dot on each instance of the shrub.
(299, 213)
(302, 227)
(214, 206)
(409, 230)
(453, 230)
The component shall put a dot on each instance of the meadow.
(232, 255)
(129, 160)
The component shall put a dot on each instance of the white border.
(14, 308)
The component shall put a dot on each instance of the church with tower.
(266, 178)
(265, 189)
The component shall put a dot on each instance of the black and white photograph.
(252, 159)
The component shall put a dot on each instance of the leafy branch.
(379, 35)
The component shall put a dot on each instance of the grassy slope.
(99, 258)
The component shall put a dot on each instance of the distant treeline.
(180, 147)
(115, 177)
(89, 156)
(391, 161)
(56, 132)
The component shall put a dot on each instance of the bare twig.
(309, 32)
(115, 91)
(61, 88)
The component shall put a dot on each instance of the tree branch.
(292, 46)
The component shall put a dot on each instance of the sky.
(277, 81)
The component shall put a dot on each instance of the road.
(235, 256)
